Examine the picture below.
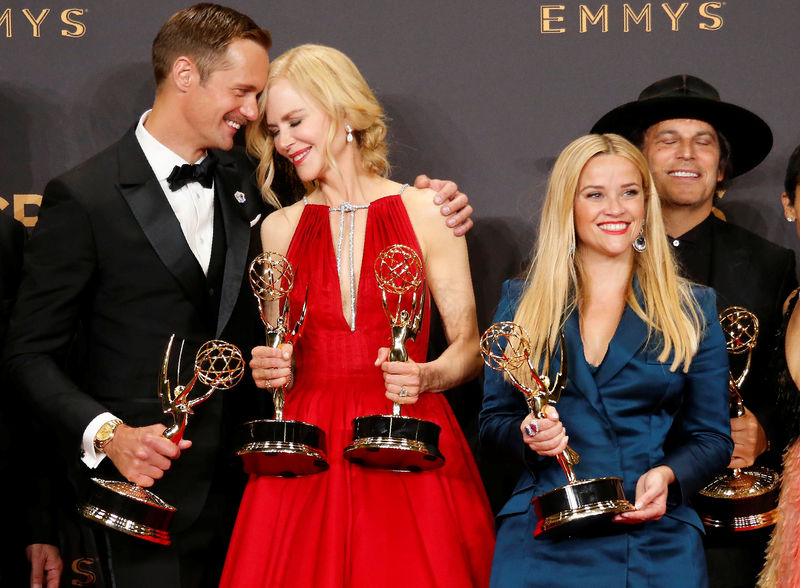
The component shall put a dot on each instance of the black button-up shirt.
(692, 251)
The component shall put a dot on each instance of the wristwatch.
(105, 434)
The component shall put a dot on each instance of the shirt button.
(675, 243)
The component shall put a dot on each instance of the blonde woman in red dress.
(351, 525)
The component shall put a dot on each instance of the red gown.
(352, 526)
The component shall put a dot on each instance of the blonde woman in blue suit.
(643, 345)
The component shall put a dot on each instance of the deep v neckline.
(595, 367)
(331, 249)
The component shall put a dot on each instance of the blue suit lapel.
(579, 375)
(141, 190)
(628, 339)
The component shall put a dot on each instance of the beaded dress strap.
(342, 209)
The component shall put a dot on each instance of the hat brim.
(749, 136)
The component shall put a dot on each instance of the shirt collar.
(160, 157)
(698, 234)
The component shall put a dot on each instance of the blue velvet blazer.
(617, 417)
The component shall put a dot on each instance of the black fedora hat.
(686, 96)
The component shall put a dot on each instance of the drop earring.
(640, 242)
(349, 130)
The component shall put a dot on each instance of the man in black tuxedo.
(152, 237)
(695, 144)
(127, 259)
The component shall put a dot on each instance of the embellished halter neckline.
(344, 208)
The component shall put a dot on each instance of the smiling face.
(299, 130)
(608, 207)
(228, 99)
(684, 158)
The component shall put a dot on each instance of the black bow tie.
(202, 172)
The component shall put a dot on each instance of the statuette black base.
(399, 443)
(579, 507)
(130, 509)
(282, 448)
(745, 502)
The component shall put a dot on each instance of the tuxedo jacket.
(108, 262)
(28, 484)
(617, 417)
(12, 240)
(749, 271)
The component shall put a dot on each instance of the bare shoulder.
(278, 228)
(419, 204)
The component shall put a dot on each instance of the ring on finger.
(532, 428)
(403, 392)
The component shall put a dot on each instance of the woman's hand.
(651, 496)
(549, 436)
(272, 367)
(402, 379)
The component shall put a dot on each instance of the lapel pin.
(240, 197)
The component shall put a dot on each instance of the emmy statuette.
(397, 442)
(277, 447)
(580, 504)
(740, 499)
(134, 510)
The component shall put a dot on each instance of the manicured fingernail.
(451, 222)
(529, 430)
(437, 199)
(446, 209)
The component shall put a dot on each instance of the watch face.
(105, 433)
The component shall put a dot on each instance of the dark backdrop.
(484, 93)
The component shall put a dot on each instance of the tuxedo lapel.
(230, 190)
(141, 190)
(729, 272)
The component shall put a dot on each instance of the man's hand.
(46, 561)
(749, 440)
(143, 454)
(454, 204)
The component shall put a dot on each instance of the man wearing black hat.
(694, 144)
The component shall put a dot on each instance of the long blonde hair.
(553, 281)
(329, 78)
